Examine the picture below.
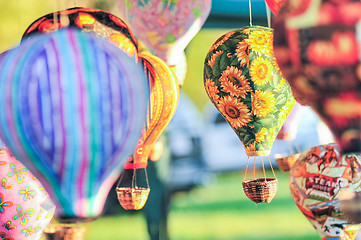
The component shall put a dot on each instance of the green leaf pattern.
(243, 81)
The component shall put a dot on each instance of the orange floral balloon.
(101, 23)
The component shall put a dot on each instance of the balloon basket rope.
(260, 190)
(64, 232)
(134, 197)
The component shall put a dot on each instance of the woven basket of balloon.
(286, 162)
(133, 197)
(261, 190)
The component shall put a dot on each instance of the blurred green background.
(217, 211)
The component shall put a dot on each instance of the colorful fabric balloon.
(164, 96)
(73, 109)
(275, 5)
(317, 46)
(25, 207)
(316, 181)
(99, 22)
(244, 83)
(165, 26)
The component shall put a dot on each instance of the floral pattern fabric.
(165, 26)
(101, 23)
(316, 181)
(317, 47)
(24, 211)
(243, 81)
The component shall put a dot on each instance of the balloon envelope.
(99, 22)
(164, 96)
(275, 5)
(317, 47)
(165, 27)
(316, 181)
(73, 109)
(26, 208)
(244, 83)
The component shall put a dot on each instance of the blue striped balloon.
(73, 108)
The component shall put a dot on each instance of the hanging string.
(55, 15)
(254, 167)
(290, 148)
(268, 11)
(146, 177)
(297, 148)
(250, 12)
(269, 160)
(245, 174)
(18, 15)
(134, 178)
(264, 171)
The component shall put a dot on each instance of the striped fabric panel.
(74, 109)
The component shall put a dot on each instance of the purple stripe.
(83, 165)
(61, 106)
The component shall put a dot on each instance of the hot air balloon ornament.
(317, 47)
(164, 96)
(95, 21)
(26, 208)
(96, 97)
(166, 26)
(317, 180)
(275, 5)
(244, 83)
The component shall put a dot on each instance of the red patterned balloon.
(317, 46)
(275, 5)
(316, 181)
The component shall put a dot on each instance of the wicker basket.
(132, 198)
(286, 162)
(261, 190)
(64, 232)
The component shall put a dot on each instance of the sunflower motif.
(233, 82)
(263, 103)
(280, 86)
(221, 40)
(212, 90)
(261, 71)
(261, 41)
(242, 52)
(213, 58)
(271, 135)
(246, 30)
(260, 136)
(236, 113)
(251, 148)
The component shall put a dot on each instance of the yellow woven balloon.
(164, 96)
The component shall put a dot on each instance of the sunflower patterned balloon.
(244, 83)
